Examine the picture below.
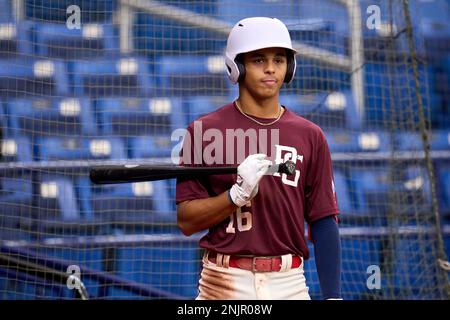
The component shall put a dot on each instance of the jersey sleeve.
(320, 195)
(190, 188)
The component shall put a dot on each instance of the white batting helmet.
(253, 34)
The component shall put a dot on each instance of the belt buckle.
(267, 264)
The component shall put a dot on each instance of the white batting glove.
(249, 173)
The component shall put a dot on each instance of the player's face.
(265, 70)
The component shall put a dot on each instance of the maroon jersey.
(273, 222)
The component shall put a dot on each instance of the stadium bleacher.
(411, 141)
(16, 209)
(444, 190)
(357, 141)
(112, 76)
(56, 10)
(15, 190)
(235, 10)
(191, 75)
(342, 192)
(51, 117)
(56, 199)
(14, 39)
(132, 116)
(76, 148)
(54, 40)
(150, 146)
(358, 254)
(151, 34)
(176, 275)
(197, 106)
(321, 107)
(31, 76)
(131, 203)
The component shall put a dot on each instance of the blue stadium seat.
(89, 257)
(56, 10)
(16, 193)
(58, 41)
(447, 242)
(443, 186)
(377, 92)
(15, 39)
(378, 45)
(328, 11)
(375, 192)
(235, 10)
(390, 99)
(342, 192)
(143, 202)
(316, 32)
(83, 257)
(28, 77)
(415, 189)
(124, 76)
(370, 188)
(50, 117)
(442, 83)
(412, 141)
(56, 199)
(3, 122)
(202, 7)
(15, 149)
(198, 106)
(133, 116)
(6, 12)
(153, 34)
(15, 187)
(150, 146)
(431, 17)
(75, 148)
(358, 253)
(313, 76)
(171, 267)
(357, 141)
(192, 75)
(172, 187)
(413, 258)
(334, 110)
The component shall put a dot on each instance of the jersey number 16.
(244, 220)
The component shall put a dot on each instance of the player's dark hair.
(289, 70)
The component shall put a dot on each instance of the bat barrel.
(124, 174)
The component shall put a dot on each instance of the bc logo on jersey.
(283, 154)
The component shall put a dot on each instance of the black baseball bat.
(138, 173)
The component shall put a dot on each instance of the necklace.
(254, 120)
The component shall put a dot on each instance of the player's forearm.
(201, 214)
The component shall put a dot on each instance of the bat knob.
(287, 167)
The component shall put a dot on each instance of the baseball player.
(255, 246)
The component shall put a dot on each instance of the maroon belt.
(257, 264)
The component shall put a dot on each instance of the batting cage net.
(88, 83)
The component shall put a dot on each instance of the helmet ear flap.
(232, 70)
(240, 65)
(291, 66)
